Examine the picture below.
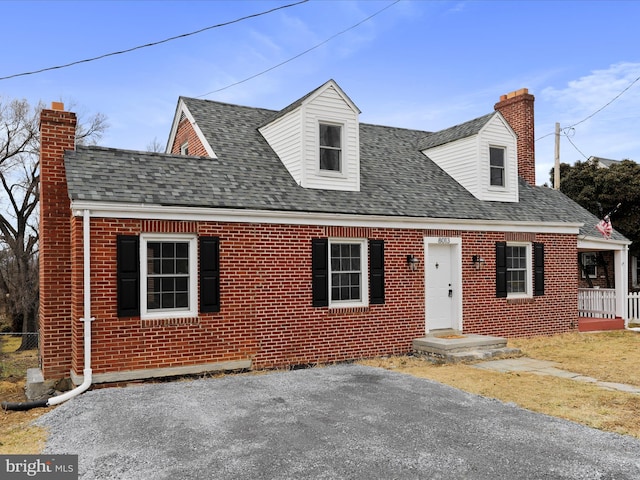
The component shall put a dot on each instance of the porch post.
(620, 258)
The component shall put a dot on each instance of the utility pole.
(556, 168)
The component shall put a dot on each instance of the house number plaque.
(445, 240)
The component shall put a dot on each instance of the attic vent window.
(330, 147)
(184, 148)
(496, 166)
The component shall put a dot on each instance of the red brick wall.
(554, 312)
(266, 311)
(186, 133)
(517, 109)
(57, 134)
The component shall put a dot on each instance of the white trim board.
(160, 212)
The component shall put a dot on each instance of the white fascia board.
(332, 83)
(182, 108)
(228, 215)
(600, 243)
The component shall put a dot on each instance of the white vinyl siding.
(467, 161)
(284, 136)
(295, 139)
(460, 160)
(497, 134)
(329, 107)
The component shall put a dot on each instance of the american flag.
(604, 225)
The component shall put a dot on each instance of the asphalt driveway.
(338, 422)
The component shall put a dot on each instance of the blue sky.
(419, 64)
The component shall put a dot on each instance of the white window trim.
(504, 185)
(184, 148)
(192, 311)
(595, 267)
(332, 173)
(364, 272)
(528, 293)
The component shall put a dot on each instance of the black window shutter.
(538, 268)
(128, 260)
(376, 271)
(209, 274)
(501, 269)
(320, 271)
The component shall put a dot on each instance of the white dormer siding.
(467, 161)
(284, 135)
(295, 137)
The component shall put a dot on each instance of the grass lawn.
(608, 356)
(17, 435)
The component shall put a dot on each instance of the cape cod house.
(271, 238)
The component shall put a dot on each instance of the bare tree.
(155, 146)
(19, 196)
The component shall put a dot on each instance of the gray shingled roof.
(396, 178)
(451, 134)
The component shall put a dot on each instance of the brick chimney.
(57, 134)
(517, 109)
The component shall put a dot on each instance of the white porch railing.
(634, 307)
(597, 302)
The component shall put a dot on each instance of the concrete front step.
(455, 348)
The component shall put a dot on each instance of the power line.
(153, 44)
(301, 53)
(606, 105)
(596, 112)
(568, 137)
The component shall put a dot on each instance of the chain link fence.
(29, 339)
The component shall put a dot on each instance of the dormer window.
(330, 148)
(496, 166)
(184, 148)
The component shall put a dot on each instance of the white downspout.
(87, 319)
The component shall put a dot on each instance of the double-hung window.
(347, 272)
(497, 166)
(346, 279)
(518, 269)
(169, 276)
(589, 265)
(330, 142)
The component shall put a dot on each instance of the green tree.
(19, 196)
(600, 190)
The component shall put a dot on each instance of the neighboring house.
(300, 236)
(603, 162)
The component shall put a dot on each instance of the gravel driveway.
(337, 422)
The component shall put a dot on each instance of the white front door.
(442, 286)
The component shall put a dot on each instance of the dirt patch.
(17, 435)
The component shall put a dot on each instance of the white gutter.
(87, 319)
(203, 214)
